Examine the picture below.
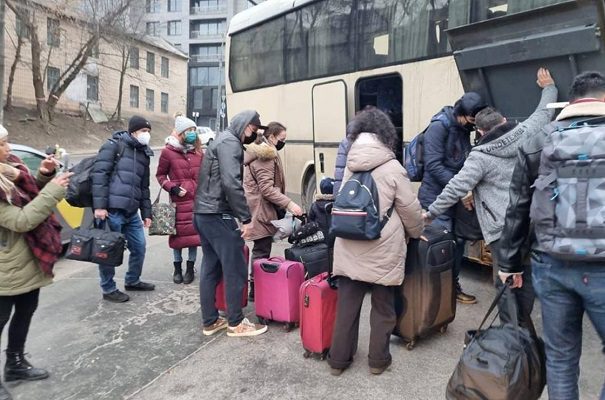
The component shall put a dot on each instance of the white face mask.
(144, 138)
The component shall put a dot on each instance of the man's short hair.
(488, 118)
(587, 84)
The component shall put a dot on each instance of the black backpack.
(355, 214)
(79, 191)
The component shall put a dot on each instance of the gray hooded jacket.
(487, 171)
(219, 189)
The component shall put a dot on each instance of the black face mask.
(469, 126)
(280, 145)
(250, 139)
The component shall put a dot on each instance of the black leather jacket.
(517, 237)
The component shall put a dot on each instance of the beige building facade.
(155, 82)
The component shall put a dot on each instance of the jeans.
(261, 249)
(446, 222)
(132, 228)
(567, 290)
(223, 258)
(178, 254)
(25, 305)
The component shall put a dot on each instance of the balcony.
(209, 11)
(199, 58)
(197, 35)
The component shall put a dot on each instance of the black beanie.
(469, 104)
(135, 123)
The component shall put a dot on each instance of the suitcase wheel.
(307, 354)
(288, 326)
(443, 329)
(410, 345)
(262, 320)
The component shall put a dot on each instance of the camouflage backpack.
(568, 205)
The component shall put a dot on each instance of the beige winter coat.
(264, 184)
(380, 261)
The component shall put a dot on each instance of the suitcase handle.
(269, 267)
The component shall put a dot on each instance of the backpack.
(568, 204)
(413, 159)
(355, 211)
(79, 190)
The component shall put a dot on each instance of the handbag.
(97, 245)
(163, 218)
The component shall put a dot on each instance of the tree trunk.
(118, 112)
(11, 77)
(38, 82)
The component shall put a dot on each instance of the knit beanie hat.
(3, 132)
(182, 123)
(326, 186)
(469, 104)
(137, 123)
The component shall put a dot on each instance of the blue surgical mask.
(190, 137)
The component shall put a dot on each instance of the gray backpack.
(568, 205)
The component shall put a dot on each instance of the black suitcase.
(316, 258)
(427, 299)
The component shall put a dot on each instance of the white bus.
(311, 64)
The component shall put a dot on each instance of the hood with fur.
(263, 151)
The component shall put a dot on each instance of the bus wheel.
(309, 195)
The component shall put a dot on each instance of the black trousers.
(25, 305)
(523, 296)
(261, 249)
(346, 328)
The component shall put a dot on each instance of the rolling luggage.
(427, 299)
(316, 258)
(276, 284)
(221, 303)
(317, 314)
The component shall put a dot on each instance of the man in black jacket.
(120, 189)
(219, 201)
(566, 289)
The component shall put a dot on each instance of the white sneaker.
(246, 328)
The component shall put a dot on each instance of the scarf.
(44, 240)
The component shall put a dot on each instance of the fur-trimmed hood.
(263, 151)
(583, 108)
(324, 197)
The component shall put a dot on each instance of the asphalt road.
(152, 347)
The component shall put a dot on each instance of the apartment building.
(198, 28)
(154, 84)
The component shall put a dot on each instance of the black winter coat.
(122, 181)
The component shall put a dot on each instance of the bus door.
(329, 101)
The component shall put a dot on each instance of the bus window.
(385, 93)
(488, 9)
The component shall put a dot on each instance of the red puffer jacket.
(178, 167)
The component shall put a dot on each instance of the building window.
(174, 28)
(164, 102)
(174, 5)
(198, 99)
(153, 28)
(204, 76)
(150, 62)
(134, 57)
(134, 96)
(149, 100)
(53, 32)
(152, 6)
(52, 77)
(21, 28)
(213, 100)
(165, 67)
(212, 28)
(92, 88)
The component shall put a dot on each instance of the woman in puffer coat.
(377, 265)
(177, 173)
(265, 187)
(30, 244)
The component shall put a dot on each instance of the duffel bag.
(97, 245)
(316, 258)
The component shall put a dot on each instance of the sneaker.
(336, 371)
(379, 370)
(246, 328)
(219, 324)
(465, 298)
(116, 297)
(141, 286)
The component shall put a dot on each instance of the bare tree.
(21, 35)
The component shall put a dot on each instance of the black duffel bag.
(97, 245)
(505, 362)
(466, 224)
(316, 258)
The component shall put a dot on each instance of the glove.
(175, 190)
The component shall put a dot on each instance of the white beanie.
(3, 132)
(182, 123)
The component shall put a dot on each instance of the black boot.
(18, 368)
(177, 277)
(189, 273)
(4, 394)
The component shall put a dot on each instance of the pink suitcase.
(276, 285)
(220, 301)
(317, 315)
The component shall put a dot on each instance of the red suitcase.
(221, 303)
(277, 284)
(317, 315)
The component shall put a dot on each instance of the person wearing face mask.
(120, 187)
(446, 146)
(177, 173)
(220, 202)
(265, 187)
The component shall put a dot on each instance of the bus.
(312, 64)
